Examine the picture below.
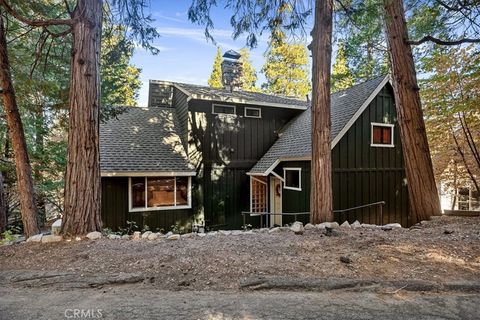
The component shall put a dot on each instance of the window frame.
(385, 125)
(255, 109)
(174, 207)
(299, 170)
(224, 105)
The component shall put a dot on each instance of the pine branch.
(443, 42)
(35, 23)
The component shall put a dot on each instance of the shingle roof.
(239, 96)
(142, 140)
(295, 140)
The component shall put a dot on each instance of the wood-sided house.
(199, 154)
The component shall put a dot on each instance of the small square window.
(293, 179)
(382, 135)
(253, 112)
(223, 109)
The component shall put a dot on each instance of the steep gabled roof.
(142, 141)
(194, 91)
(295, 140)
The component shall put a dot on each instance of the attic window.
(253, 112)
(382, 135)
(293, 179)
(223, 109)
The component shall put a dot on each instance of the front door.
(276, 201)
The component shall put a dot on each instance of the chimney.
(231, 71)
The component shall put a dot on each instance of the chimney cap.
(232, 54)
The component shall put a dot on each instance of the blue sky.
(185, 54)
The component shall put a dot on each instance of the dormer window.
(223, 109)
(382, 135)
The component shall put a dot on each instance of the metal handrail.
(341, 211)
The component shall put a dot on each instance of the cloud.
(160, 16)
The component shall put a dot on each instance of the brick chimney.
(231, 70)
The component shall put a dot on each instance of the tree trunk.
(321, 165)
(3, 206)
(39, 151)
(422, 190)
(82, 178)
(14, 122)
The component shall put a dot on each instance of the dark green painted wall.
(115, 212)
(361, 174)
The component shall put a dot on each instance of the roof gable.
(295, 141)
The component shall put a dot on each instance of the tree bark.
(3, 206)
(40, 163)
(15, 126)
(82, 178)
(321, 165)
(422, 190)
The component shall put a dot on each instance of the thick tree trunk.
(82, 179)
(422, 190)
(321, 170)
(22, 163)
(3, 206)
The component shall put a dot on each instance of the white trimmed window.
(159, 193)
(382, 135)
(293, 179)
(253, 112)
(223, 109)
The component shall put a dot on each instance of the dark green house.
(202, 155)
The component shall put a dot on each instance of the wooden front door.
(275, 201)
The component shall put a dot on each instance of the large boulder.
(153, 236)
(297, 227)
(51, 238)
(56, 226)
(35, 238)
(309, 226)
(94, 235)
(137, 235)
(146, 234)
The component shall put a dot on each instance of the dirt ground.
(444, 249)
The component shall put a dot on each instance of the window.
(223, 109)
(293, 178)
(382, 135)
(159, 193)
(258, 194)
(253, 112)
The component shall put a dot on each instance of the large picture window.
(159, 193)
(382, 135)
(293, 178)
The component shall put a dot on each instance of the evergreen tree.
(249, 75)
(286, 68)
(215, 80)
(342, 77)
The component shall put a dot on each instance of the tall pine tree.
(342, 76)
(286, 68)
(215, 80)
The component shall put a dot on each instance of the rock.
(212, 233)
(146, 234)
(113, 236)
(297, 227)
(201, 234)
(56, 226)
(237, 232)
(225, 232)
(187, 235)
(309, 226)
(35, 238)
(51, 238)
(391, 226)
(78, 239)
(331, 225)
(264, 230)
(345, 225)
(94, 235)
(356, 224)
(169, 233)
(446, 232)
(275, 230)
(153, 236)
(320, 226)
(173, 237)
(247, 232)
(126, 237)
(369, 226)
(345, 259)
(137, 235)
